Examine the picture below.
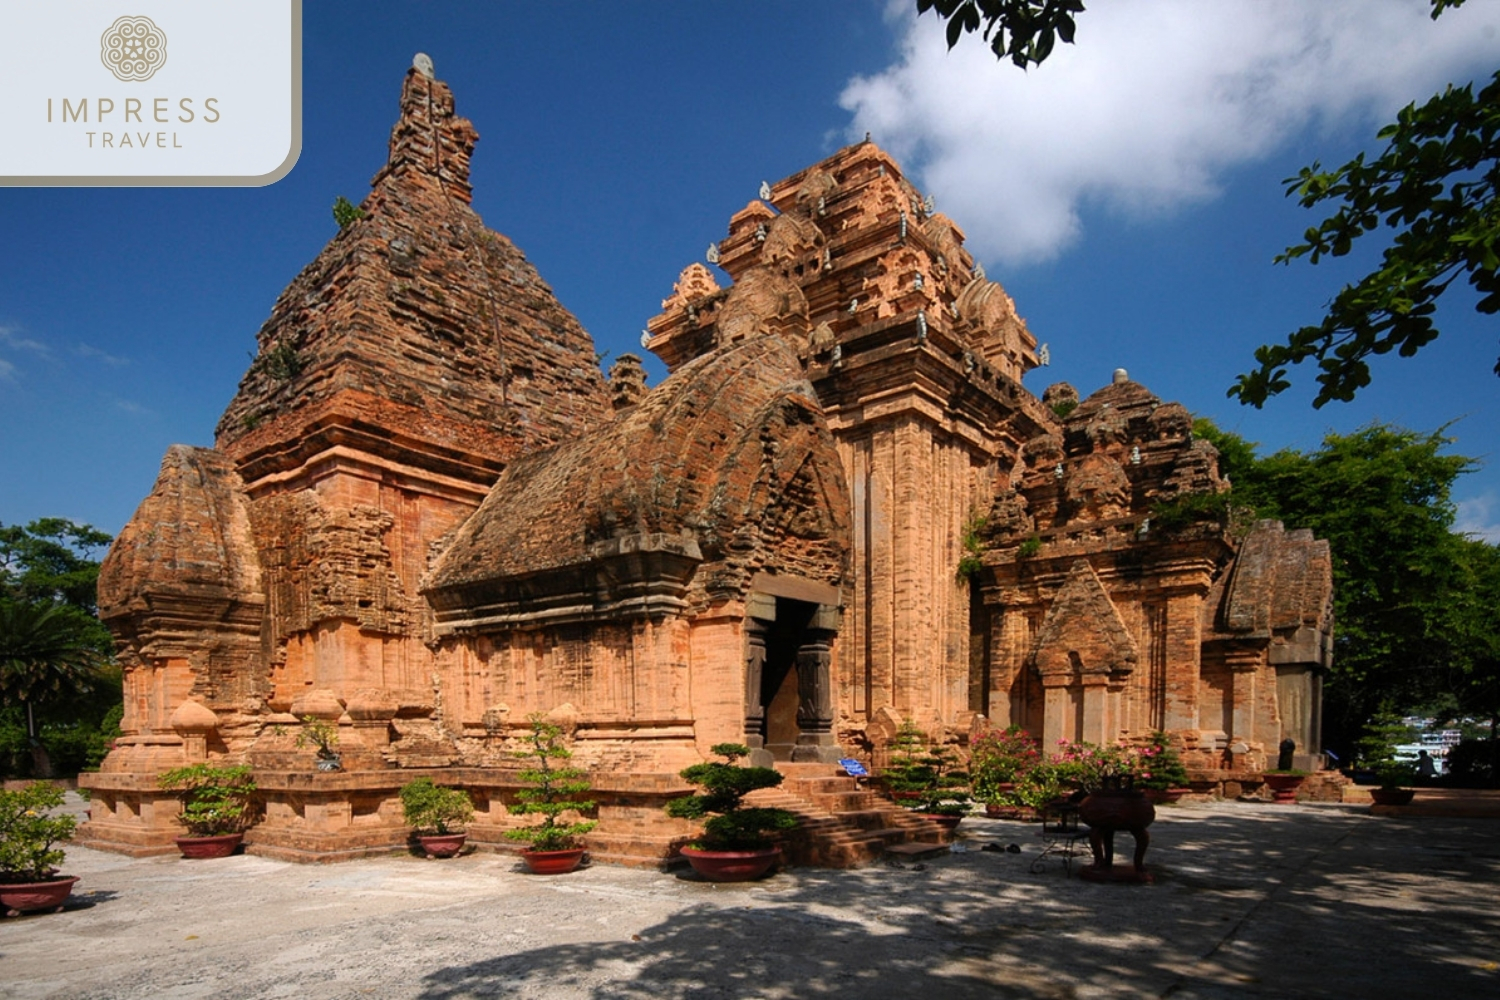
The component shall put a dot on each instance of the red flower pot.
(1392, 796)
(553, 862)
(1165, 796)
(1284, 787)
(17, 898)
(221, 846)
(442, 845)
(731, 866)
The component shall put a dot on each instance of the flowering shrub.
(1090, 767)
(1157, 764)
(1001, 756)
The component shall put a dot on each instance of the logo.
(133, 48)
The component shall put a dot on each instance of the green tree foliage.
(49, 572)
(1434, 186)
(44, 657)
(1023, 31)
(1409, 592)
(53, 560)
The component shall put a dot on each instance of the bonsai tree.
(731, 826)
(27, 833)
(320, 733)
(552, 792)
(428, 806)
(216, 801)
(1158, 765)
(926, 776)
(1377, 749)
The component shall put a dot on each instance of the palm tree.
(44, 654)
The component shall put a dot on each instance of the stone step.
(841, 824)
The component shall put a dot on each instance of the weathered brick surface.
(419, 324)
(428, 518)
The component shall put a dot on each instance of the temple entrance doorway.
(779, 688)
(788, 685)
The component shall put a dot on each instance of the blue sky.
(1127, 194)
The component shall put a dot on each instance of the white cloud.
(1155, 100)
(1479, 517)
(12, 341)
(104, 357)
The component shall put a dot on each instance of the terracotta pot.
(905, 796)
(441, 845)
(17, 898)
(1165, 796)
(553, 862)
(731, 866)
(221, 846)
(1284, 787)
(942, 819)
(1392, 796)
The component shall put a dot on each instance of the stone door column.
(815, 741)
(755, 665)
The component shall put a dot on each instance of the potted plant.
(1392, 776)
(555, 847)
(924, 779)
(436, 810)
(735, 846)
(1159, 771)
(1283, 783)
(324, 735)
(217, 804)
(998, 761)
(1377, 753)
(28, 859)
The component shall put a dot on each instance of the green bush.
(216, 801)
(429, 806)
(27, 833)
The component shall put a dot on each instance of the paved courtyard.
(1250, 901)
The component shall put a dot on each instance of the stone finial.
(422, 63)
(1121, 376)
(627, 382)
(429, 139)
(194, 717)
(320, 703)
(694, 282)
(372, 705)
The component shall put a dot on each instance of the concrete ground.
(1250, 901)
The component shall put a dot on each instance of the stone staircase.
(842, 825)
